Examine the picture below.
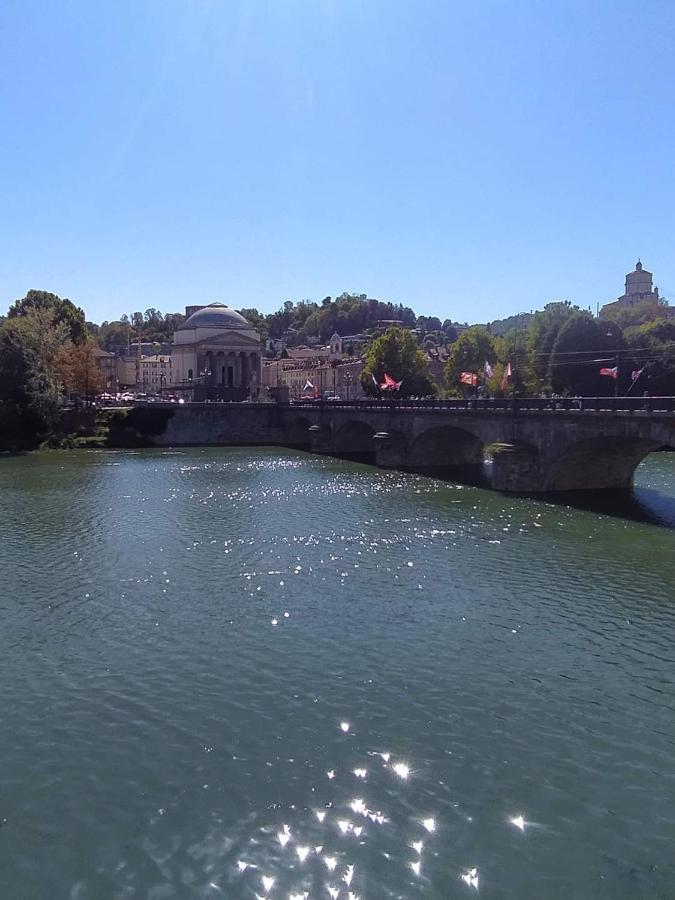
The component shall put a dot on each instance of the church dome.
(215, 315)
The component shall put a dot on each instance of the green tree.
(62, 311)
(512, 348)
(257, 319)
(396, 353)
(29, 393)
(542, 333)
(472, 349)
(577, 357)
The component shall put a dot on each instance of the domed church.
(216, 354)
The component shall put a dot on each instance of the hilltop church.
(639, 290)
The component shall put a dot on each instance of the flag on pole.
(635, 374)
(508, 372)
(469, 378)
(389, 384)
(308, 386)
(488, 370)
(610, 373)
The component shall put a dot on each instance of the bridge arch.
(355, 440)
(445, 447)
(596, 463)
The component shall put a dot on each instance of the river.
(252, 672)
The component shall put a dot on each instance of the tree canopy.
(472, 349)
(62, 311)
(396, 353)
(29, 391)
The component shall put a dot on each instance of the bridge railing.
(603, 405)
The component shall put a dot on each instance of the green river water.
(255, 673)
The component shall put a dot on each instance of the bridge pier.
(391, 450)
(320, 439)
(515, 467)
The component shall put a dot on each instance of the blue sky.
(470, 160)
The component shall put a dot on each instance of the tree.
(469, 353)
(542, 333)
(512, 348)
(578, 355)
(61, 311)
(450, 331)
(29, 395)
(396, 353)
(77, 369)
(257, 319)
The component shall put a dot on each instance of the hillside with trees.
(562, 350)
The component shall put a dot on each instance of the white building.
(216, 354)
(154, 373)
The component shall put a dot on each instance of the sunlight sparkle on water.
(303, 853)
(330, 863)
(268, 883)
(518, 821)
(470, 878)
(402, 770)
(345, 726)
(416, 865)
(429, 824)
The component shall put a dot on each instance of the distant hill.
(519, 322)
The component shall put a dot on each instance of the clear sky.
(470, 160)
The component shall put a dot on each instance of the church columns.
(245, 375)
(228, 374)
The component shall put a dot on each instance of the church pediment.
(229, 339)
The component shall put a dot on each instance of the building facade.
(216, 355)
(154, 374)
(105, 363)
(335, 377)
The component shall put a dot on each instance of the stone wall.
(191, 424)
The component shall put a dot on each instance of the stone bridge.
(535, 445)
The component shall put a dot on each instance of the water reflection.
(253, 693)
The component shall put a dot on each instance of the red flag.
(611, 373)
(508, 372)
(469, 378)
(389, 384)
